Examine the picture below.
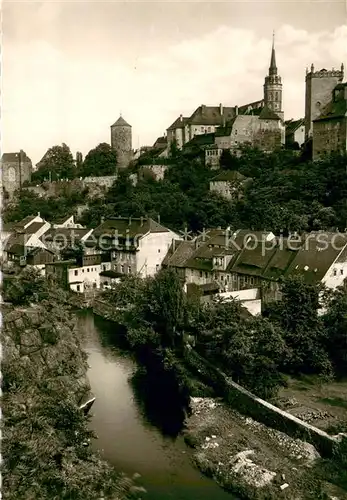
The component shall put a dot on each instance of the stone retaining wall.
(248, 404)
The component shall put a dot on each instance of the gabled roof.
(160, 143)
(335, 109)
(61, 220)
(180, 122)
(178, 254)
(267, 114)
(68, 234)
(317, 254)
(34, 227)
(124, 227)
(14, 157)
(229, 176)
(120, 123)
(293, 125)
(211, 115)
(200, 140)
(25, 221)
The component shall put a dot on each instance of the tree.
(335, 322)
(57, 163)
(100, 161)
(303, 328)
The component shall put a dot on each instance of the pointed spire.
(273, 67)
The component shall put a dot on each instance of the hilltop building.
(295, 133)
(259, 123)
(121, 142)
(16, 169)
(330, 127)
(319, 88)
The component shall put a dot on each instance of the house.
(295, 133)
(229, 184)
(330, 127)
(19, 254)
(66, 222)
(136, 245)
(27, 233)
(109, 278)
(65, 239)
(71, 276)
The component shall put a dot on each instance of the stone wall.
(39, 342)
(248, 404)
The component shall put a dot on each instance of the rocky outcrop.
(39, 343)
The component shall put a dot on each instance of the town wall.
(260, 410)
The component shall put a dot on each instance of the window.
(76, 272)
(82, 270)
(129, 270)
(87, 269)
(78, 288)
(104, 268)
(200, 274)
(206, 275)
(341, 271)
(122, 268)
(157, 267)
(335, 272)
(158, 250)
(235, 132)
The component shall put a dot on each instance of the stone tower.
(121, 142)
(273, 86)
(319, 87)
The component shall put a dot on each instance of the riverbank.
(250, 459)
(46, 439)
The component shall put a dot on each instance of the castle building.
(262, 122)
(329, 130)
(121, 142)
(273, 86)
(16, 169)
(319, 88)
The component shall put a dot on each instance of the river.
(132, 434)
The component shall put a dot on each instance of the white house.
(136, 245)
(66, 222)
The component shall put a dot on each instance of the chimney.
(129, 221)
(159, 218)
(221, 109)
(203, 108)
(181, 118)
(173, 245)
(312, 68)
(141, 221)
(38, 214)
(236, 110)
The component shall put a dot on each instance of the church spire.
(273, 67)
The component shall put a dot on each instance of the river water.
(133, 435)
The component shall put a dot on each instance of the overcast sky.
(69, 68)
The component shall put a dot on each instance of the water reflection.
(135, 433)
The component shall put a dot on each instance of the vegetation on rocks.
(46, 441)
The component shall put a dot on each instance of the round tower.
(273, 86)
(121, 142)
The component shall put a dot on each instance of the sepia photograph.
(173, 250)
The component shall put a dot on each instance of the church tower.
(121, 142)
(273, 85)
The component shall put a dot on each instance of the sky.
(69, 68)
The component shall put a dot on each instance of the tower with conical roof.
(121, 142)
(273, 85)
